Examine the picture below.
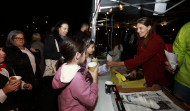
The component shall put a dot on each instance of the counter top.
(104, 102)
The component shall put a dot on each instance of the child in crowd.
(89, 56)
(75, 93)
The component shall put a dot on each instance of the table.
(104, 102)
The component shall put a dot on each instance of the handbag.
(50, 68)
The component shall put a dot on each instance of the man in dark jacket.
(82, 32)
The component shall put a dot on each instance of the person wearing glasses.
(25, 62)
(9, 90)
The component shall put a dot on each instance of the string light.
(110, 10)
(120, 6)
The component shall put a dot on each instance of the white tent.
(107, 12)
(133, 7)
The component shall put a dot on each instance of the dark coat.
(22, 66)
(20, 62)
(13, 98)
(152, 64)
(50, 50)
(80, 34)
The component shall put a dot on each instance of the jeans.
(183, 91)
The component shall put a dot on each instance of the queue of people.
(72, 86)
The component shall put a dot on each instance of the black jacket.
(13, 98)
(50, 50)
(20, 62)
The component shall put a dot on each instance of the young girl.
(76, 94)
(89, 56)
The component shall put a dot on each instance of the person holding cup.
(89, 58)
(75, 93)
(9, 89)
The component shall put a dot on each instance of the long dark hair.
(55, 32)
(147, 22)
(69, 47)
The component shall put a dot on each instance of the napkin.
(109, 58)
(172, 59)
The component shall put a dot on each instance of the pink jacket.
(76, 94)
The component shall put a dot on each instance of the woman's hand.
(133, 73)
(169, 68)
(115, 63)
(27, 86)
(11, 86)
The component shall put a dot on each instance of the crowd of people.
(55, 72)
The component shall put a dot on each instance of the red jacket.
(152, 64)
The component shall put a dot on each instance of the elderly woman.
(25, 62)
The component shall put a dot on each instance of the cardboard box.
(167, 92)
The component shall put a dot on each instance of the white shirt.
(32, 59)
(116, 53)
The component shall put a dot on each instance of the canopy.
(111, 18)
(127, 11)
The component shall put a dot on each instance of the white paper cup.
(92, 66)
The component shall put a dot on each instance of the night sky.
(73, 14)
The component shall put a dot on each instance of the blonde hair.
(36, 37)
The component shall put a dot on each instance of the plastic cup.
(92, 66)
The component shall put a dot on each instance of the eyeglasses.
(19, 38)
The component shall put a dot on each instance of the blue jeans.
(183, 91)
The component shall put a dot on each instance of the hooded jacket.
(75, 93)
(181, 46)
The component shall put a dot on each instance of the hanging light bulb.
(110, 10)
(120, 6)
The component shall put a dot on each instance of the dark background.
(74, 14)
(77, 12)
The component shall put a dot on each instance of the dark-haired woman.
(150, 54)
(51, 51)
